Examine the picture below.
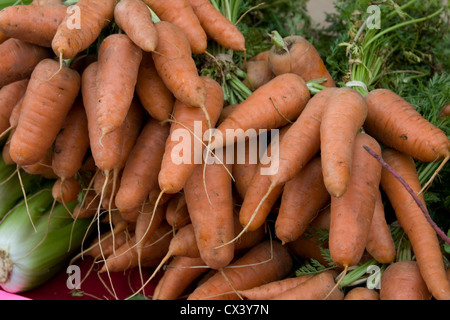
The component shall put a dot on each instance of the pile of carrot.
(104, 126)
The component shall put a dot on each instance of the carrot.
(396, 123)
(5, 150)
(380, 244)
(351, 214)
(106, 158)
(302, 141)
(180, 273)
(270, 290)
(268, 261)
(176, 66)
(445, 111)
(403, 280)
(66, 190)
(19, 58)
(70, 40)
(259, 73)
(88, 207)
(212, 217)
(341, 120)
(3, 37)
(177, 214)
(148, 220)
(33, 24)
(72, 143)
(226, 111)
(309, 245)
(315, 288)
(42, 167)
(362, 293)
(217, 26)
(299, 56)
(244, 169)
(10, 95)
(15, 114)
(248, 239)
(44, 2)
(140, 174)
(151, 90)
(173, 176)
(46, 103)
(262, 56)
(156, 197)
(134, 18)
(279, 101)
(302, 198)
(181, 14)
(260, 197)
(421, 234)
(118, 64)
(126, 256)
(108, 244)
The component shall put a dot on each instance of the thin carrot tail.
(427, 184)
(271, 187)
(338, 282)
(61, 65)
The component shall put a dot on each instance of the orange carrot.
(66, 190)
(42, 167)
(445, 111)
(70, 39)
(279, 101)
(226, 112)
(155, 196)
(72, 143)
(396, 123)
(211, 213)
(106, 159)
(33, 24)
(302, 198)
(108, 243)
(272, 289)
(342, 118)
(126, 256)
(134, 18)
(3, 37)
(10, 95)
(362, 293)
(177, 214)
(176, 66)
(140, 174)
(118, 64)
(5, 150)
(302, 141)
(181, 14)
(262, 56)
(380, 244)
(265, 262)
(300, 58)
(260, 197)
(244, 169)
(151, 90)
(403, 280)
(351, 214)
(423, 237)
(316, 287)
(19, 58)
(148, 221)
(217, 26)
(309, 246)
(173, 176)
(259, 73)
(180, 273)
(46, 103)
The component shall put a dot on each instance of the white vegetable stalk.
(29, 258)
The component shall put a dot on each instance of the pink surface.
(94, 286)
(9, 296)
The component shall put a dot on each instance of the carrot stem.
(413, 195)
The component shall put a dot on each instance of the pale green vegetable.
(32, 255)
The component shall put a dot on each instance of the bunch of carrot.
(105, 127)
